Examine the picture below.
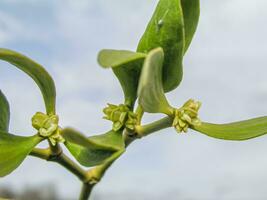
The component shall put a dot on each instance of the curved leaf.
(191, 11)
(94, 150)
(128, 76)
(150, 90)
(4, 113)
(126, 65)
(37, 73)
(166, 30)
(242, 130)
(114, 58)
(13, 150)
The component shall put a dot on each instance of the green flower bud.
(38, 120)
(56, 137)
(47, 127)
(187, 115)
(131, 121)
(121, 116)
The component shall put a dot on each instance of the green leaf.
(128, 76)
(94, 150)
(114, 58)
(126, 65)
(150, 91)
(111, 140)
(37, 73)
(191, 11)
(13, 150)
(166, 30)
(242, 130)
(4, 113)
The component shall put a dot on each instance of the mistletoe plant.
(145, 76)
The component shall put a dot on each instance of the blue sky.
(225, 68)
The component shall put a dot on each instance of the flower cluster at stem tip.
(47, 127)
(121, 116)
(187, 116)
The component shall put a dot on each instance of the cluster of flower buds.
(187, 116)
(121, 116)
(47, 127)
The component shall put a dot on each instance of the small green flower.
(121, 116)
(187, 115)
(56, 137)
(47, 127)
(131, 121)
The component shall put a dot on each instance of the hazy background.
(225, 68)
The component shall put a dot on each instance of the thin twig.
(62, 159)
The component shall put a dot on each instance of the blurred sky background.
(225, 68)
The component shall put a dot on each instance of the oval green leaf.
(4, 113)
(166, 30)
(242, 130)
(150, 90)
(13, 150)
(37, 73)
(191, 12)
(94, 150)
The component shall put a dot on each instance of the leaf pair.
(95, 150)
(172, 28)
(153, 100)
(14, 149)
(150, 86)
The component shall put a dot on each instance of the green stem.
(95, 175)
(55, 149)
(129, 137)
(41, 153)
(86, 191)
(140, 112)
(98, 172)
(71, 166)
(146, 130)
(62, 159)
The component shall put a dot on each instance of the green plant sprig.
(145, 76)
